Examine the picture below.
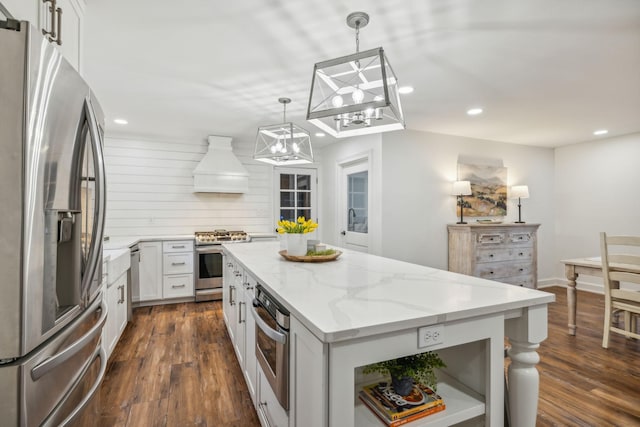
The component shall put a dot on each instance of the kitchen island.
(362, 309)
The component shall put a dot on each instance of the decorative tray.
(488, 221)
(310, 258)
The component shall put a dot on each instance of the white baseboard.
(581, 286)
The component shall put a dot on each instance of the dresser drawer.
(520, 238)
(177, 246)
(180, 285)
(524, 281)
(490, 238)
(500, 270)
(178, 263)
(510, 254)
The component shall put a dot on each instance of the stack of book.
(395, 410)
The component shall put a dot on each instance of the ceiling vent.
(220, 171)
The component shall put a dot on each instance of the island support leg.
(525, 333)
(572, 276)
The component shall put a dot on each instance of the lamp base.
(519, 222)
(461, 222)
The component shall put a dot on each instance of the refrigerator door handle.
(94, 389)
(56, 360)
(98, 226)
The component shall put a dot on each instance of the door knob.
(344, 233)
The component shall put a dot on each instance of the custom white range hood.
(220, 171)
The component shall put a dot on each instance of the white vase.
(296, 244)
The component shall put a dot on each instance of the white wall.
(150, 183)
(596, 189)
(417, 169)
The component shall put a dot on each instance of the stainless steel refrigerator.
(52, 189)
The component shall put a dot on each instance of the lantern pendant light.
(355, 94)
(284, 143)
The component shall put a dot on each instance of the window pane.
(357, 212)
(306, 213)
(287, 214)
(304, 182)
(287, 182)
(287, 199)
(304, 200)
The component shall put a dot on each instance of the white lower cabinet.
(177, 269)
(228, 296)
(270, 413)
(150, 272)
(117, 316)
(250, 361)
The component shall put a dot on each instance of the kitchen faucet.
(354, 215)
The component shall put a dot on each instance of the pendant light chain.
(284, 112)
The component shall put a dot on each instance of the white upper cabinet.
(63, 18)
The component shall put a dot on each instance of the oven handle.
(211, 249)
(271, 333)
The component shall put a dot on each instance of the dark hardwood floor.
(175, 366)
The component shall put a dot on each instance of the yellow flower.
(301, 225)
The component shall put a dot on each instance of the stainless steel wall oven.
(272, 342)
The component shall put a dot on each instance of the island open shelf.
(462, 404)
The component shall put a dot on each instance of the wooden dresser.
(502, 252)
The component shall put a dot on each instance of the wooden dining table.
(591, 266)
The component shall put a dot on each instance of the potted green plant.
(407, 370)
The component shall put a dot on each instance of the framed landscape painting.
(488, 190)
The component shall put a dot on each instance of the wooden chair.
(617, 267)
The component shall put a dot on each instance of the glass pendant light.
(355, 94)
(284, 143)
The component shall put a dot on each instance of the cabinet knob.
(490, 255)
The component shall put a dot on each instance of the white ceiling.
(546, 72)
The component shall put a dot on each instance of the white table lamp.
(519, 192)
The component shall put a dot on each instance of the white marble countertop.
(361, 295)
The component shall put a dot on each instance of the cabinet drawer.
(520, 238)
(490, 238)
(177, 246)
(268, 405)
(180, 285)
(500, 270)
(179, 263)
(524, 281)
(510, 254)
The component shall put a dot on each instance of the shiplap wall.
(150, 191)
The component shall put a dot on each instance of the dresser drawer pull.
(178, 263)
(521, 254)
(491, 272)
(490, 255)
(177, 246)
(521, 270)
(179, 286)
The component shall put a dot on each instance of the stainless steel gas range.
(209, 261)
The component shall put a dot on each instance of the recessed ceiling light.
(120, 121)
(600, 132)
(474, 111)
(405, 89)
(320, 134)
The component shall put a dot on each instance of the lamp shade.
(520, 191)
(355, 95)
(461, 188)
